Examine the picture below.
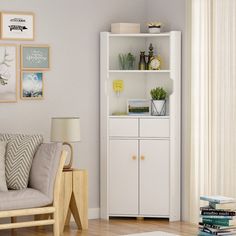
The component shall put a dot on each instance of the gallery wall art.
(8, 73)
(17, 26)
(35, 57)
(32, 85)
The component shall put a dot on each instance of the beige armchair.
(42, 195)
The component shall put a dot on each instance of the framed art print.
(8, 73)
(35, 57)
(138, 107)
(32, 85)
(17, 26)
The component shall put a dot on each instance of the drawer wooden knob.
(134, 158)
(142, 158)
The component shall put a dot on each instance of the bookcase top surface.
(145, 35)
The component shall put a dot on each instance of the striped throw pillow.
(19, 157)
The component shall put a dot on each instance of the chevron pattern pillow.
(3, 184)
(19, 156)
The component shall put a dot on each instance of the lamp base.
(69, 165)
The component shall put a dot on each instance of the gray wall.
(72, 86)
(173, 14)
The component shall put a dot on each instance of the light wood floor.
(113, 228)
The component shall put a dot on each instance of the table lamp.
(66, 130)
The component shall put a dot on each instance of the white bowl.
(154, 30)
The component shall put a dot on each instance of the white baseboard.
(93, 213)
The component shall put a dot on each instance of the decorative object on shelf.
(154, 27)
(154, 62)
(35, 57)
(32, 85)
(150, 56)
(158, 101)
(118, 86)
(138, 107)
(126, 61)
(8, 73)
(125, 28)
(142, 61)
(67, 131)
(17, 26)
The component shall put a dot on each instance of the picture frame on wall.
(17, 26)
(8, 73)
(32, 85)
(35, 57)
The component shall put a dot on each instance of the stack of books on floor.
(218, 217)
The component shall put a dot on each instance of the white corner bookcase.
(140, 156)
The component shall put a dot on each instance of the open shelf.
(139, 71)
(123, 44)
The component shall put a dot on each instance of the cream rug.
(156, 233)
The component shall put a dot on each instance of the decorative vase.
(158, 107)
(142, 61)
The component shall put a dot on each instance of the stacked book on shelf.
(218, 217)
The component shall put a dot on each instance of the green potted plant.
(126, 61)
(158, 101)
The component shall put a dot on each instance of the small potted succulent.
(154, 27)
(158, 101)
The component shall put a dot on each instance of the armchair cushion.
(44, 168)
(3, 184)
(19, 156)
(22, 199)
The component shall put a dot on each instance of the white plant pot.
(158, 107)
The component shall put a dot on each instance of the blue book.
(218, 199)
(203, 233)
(218, 217)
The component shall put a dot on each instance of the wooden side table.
(74, 198)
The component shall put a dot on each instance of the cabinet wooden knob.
(142, 158)
(134, 158)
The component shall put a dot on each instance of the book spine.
(210, 225)
(218, 217)
(226, 207)
(217, 213)
(220, 222)
(208, 231)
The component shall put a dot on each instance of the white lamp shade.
(65, 129)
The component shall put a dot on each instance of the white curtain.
(213, 100)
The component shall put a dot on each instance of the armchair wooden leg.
(56, 226)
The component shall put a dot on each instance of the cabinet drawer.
(120, 127)
(155, 128)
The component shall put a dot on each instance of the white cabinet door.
(154, 177)
(123, 181)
